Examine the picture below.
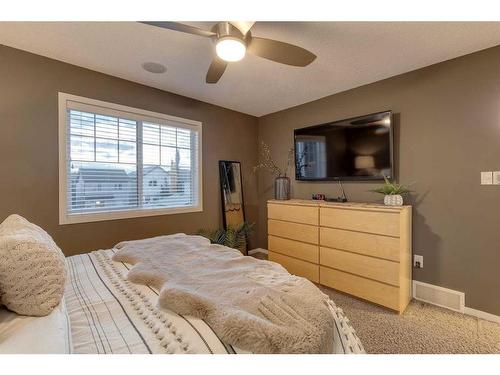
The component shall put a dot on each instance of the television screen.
(359, 148)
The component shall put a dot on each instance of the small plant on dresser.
(393, 193)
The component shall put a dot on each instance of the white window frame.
(112, 109)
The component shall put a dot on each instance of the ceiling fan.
(232, 41)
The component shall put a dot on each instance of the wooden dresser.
(360, 249)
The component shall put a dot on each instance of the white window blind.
(123, 164)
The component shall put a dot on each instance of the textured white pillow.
(32, 268)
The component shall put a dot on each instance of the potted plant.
(281, 180)
(235, 237)
(393, 193)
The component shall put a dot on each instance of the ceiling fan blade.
(243, 26)
(183, 28)
(280, 52)
(215, 71)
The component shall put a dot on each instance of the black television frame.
(349, 178)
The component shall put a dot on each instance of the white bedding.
(49, 334)
(111, 315)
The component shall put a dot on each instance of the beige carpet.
(422, 328)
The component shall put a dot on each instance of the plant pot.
(393, 200)
(282, 188)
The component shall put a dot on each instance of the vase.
(393, 200)
(282, 188)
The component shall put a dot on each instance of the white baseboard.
(482, 314)
(449, 299)
(258, 250)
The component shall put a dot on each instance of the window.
(120, 162)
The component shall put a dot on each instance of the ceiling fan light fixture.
(234, 39)
(230, 49)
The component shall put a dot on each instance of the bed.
(104, 320)
(102, 312)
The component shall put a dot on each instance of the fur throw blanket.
(252, 304)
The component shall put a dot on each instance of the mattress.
(109, 314)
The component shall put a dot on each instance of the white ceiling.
(350, 54)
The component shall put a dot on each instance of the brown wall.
(448, 130)
(29, 156)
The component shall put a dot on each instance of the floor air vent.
(450, 299)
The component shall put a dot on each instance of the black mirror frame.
(221, 163)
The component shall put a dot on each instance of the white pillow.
(49, 334)
(32, 268)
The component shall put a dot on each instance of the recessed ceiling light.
(154, 67)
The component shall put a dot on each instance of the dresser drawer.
(362, 243)
(382, 294)
(293, 231)
(372, 268)
(294, 249)
(297, 214)
(369, 221)
(296, 267)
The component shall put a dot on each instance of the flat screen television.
(358, 148)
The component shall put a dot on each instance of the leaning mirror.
(233, 213)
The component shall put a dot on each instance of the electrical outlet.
(418, 261)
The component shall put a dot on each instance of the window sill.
(126, 214)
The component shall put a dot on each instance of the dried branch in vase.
(267, 162)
